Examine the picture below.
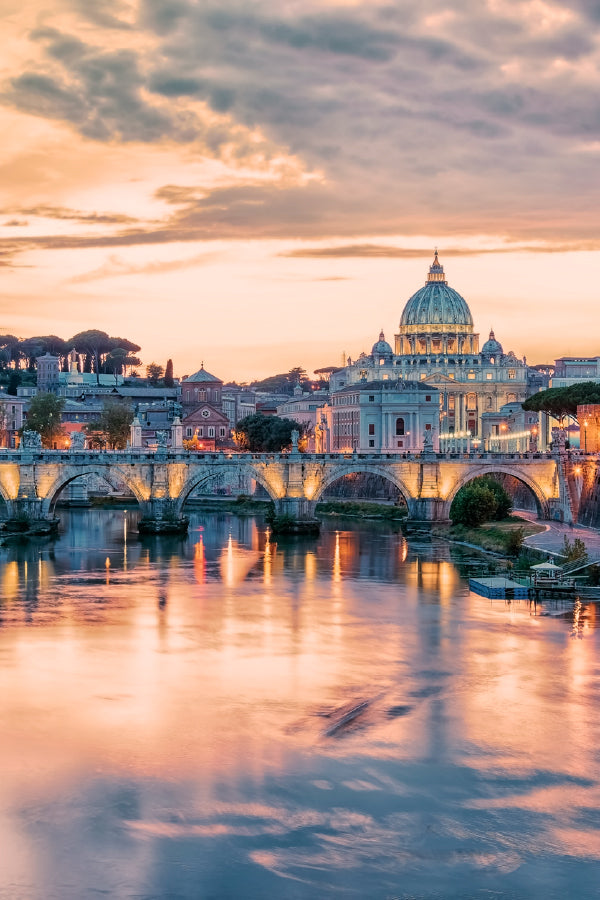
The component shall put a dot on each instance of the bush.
(482, 500)
(503, 499)
(573, 550)
(514, 541)
(473, 505)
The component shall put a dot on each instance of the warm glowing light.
(337, 566)
(200, 562)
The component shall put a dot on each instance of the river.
(228, 717)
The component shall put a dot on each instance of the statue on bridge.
(295, 438)
(161, 440)
(77, 440)
(559, 440)
(32, 440)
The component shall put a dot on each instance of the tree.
(473, 505)
(44, 416)
(169, 382)
(117, 359)
(503, 499)
(563, 402)
(31, 348)
(482, 500)
(8, 348)
(112, 426)
(154, 373)
(95, 344)
(14, 380)
(284, 383)
(514, 541)
(265, 433)
(573, 550)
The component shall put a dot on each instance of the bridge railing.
(145, 455)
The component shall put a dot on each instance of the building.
(237, 403)
(204, 420)
(570, 370)
(306, 409)
(588, 416)
(511, 429)
(384, 416)
(437, 346)
(11, 420)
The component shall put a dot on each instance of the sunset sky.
(261, 184)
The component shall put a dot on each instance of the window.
(371, 429)
(371, 398)
(211, 431)
(188, 432)
(512, 374)
(201, 431)
(371, 443)
(221, 432)
(427, 398)
(399, 426)
(401, 443)
(471, 376)
(428, 427)
(488, 375)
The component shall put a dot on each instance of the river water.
(228, 717)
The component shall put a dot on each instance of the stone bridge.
(161, 481)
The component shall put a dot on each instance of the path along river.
(225, 717)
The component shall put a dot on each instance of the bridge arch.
(112, 474)
(6, 503)
(541, 501)
(335, 474)
(203, 474)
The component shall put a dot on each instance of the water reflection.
(234, 715)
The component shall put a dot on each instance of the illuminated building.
(437, 347)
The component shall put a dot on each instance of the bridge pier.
(294, 515)
(428, 510)
(26, 516)
(160, 516)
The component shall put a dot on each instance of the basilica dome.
(492, 347)
(381, 347)
(436, 304)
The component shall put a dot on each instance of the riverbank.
(504, 538)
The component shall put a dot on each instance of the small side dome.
(492, 347)
(381, 349)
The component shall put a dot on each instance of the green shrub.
(514, 541)
(473, 505)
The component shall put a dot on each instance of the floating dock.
(499, 588)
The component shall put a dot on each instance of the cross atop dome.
(436, 270)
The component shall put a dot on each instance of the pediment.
(438, 378)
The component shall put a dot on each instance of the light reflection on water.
(231, 716)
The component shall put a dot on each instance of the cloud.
(73, 215)
(384, 251)
(115, 267)
(417, 119)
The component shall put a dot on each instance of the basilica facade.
(437, 347)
